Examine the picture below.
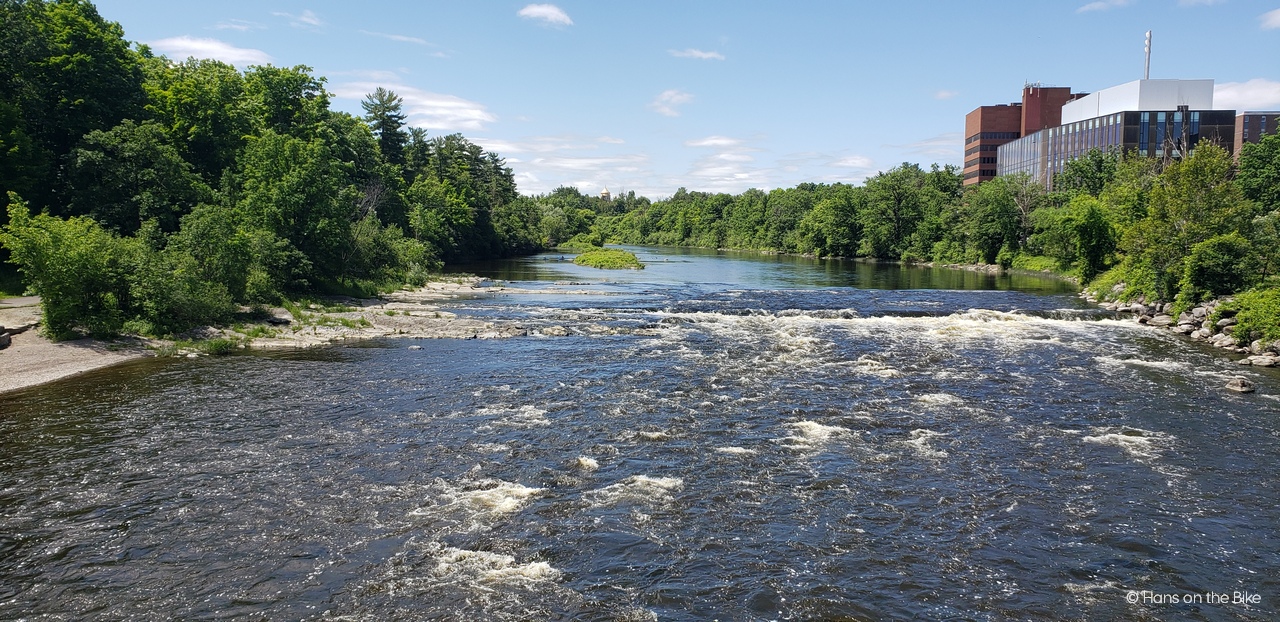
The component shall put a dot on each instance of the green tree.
(130, 174)
(385, 115)
(292, 188)
(1193, 200)
(200, 103)
(1259, 172)
(286, 100)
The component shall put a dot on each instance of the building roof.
(1141, 95)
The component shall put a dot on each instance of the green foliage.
(1215, 267)
(609, 259)
(1088, 174)
(201, 105)
(1257, 315)
(1259, 172)
(583, 242)
(80, 270)
(129, 174)
(384, 112)
(1191, 201)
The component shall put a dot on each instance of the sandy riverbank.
(32, 359)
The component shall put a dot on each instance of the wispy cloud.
(1270, 20)
(713, 141)
(181, 48)
(241, 25)
(400, 38)
(434, 111)
(945, 94)
(609, 140)
(307, 19)
(855, 161)
(947, 147)
(537, 144)
(698, 54)
(549, 14)
(1199, 2)
(1103, 5)
(667, 101)
(1256, 94)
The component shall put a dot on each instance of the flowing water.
(718, 436)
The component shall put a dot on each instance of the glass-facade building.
(1152, 133)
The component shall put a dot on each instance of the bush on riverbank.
(1257, 315)
(609, 259)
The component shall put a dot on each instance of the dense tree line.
(1181, 230)
(160, 194)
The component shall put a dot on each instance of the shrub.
(1257, 315)
(609, 259)
(80, 270)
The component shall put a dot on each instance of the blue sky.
(719, 95)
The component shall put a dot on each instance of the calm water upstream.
(719, 436)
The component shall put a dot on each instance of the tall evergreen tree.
(384, 112)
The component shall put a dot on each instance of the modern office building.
(1156, 118)
(989, 127)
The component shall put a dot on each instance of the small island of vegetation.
(609, 259)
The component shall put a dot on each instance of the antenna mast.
(1146, 72)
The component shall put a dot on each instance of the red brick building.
(988, 127)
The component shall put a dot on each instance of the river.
(718, 436)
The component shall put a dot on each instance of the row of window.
(972, 150)
(991, 136)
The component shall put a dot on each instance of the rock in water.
(1241, 385)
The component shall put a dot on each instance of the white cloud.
(713, 141)
(1256, 94)
(698, 54)
(550, 14)
(947, 147)
(854, 161)
(1270, 20)
(1103, 5)
(307, 19)
(400, 38)
(667, 101)
(610, 140)
(180, 48)
(238, 24)
(1199, 2)
(433, 111)
(536, 144)
(945, 94)
(627, 163)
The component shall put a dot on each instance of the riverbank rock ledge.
(1198, 324)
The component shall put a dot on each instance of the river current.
(718, 436)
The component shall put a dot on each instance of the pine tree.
(384, 113)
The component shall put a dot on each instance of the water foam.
(481, 567)
(1136, 442)
(735, 451)
(637, 489)
(919, 443)
(811, 434)
(524, 416)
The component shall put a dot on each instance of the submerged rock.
(1241, 385)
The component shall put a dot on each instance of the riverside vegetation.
(151, 196)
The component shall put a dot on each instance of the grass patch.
(1038, 263)
(609, 259)
(255, 331)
